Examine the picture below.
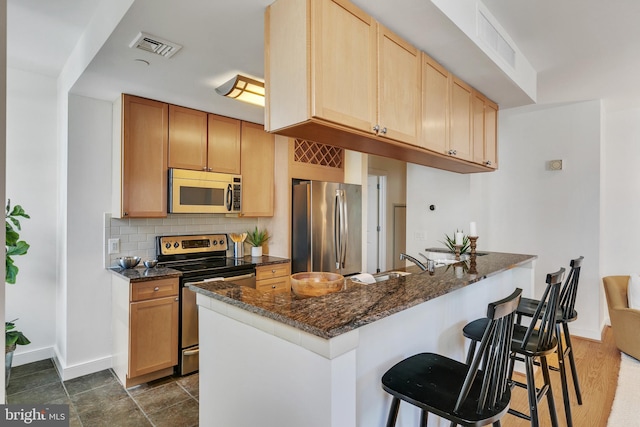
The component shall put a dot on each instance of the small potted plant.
(450, 243)
(14, 247)
(257, 238)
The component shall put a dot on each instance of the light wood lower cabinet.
(145, 329)
(273, 278)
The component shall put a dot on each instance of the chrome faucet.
(404, 256)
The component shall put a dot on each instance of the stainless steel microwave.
(204, 192)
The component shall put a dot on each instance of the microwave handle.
(229, 197)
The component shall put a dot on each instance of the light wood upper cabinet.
(144, 145)
(258, 159)
(369, 84)
(223, 148)
(461, 137)
(187, 138)
(343, 77)
(398, 88)
(435, 105)
(485, 122)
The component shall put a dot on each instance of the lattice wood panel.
(317, 154)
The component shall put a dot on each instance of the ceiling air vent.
(155, 45)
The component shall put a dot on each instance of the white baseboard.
(585, 333)
(31, 356)
(80, 369)
(66, 372)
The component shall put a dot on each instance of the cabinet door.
(343, 56)
(223, 144)
(153, 335)
(257, 160)
(144, 157)
(398, 88)
(435, 106)
(461, 138)
(478, 128)
(491, 134)
(187, 138)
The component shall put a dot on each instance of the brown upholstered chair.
(625, 321)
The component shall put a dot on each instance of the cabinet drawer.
(141, 291)
(278, 284)
(274, 270)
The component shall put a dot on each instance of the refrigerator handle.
(345, 229)
(337, 228)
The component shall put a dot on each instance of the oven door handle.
(191, 352)
(244, 276)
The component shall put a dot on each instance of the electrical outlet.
(418, 235)
(114, 246)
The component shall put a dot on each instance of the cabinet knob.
(384, 130)
(273, 286)
(125, 213)
(488, 163)
(156, 289)
(177, 299)
(376, 128)
(453, 152)
(273, 271)
(204, 168)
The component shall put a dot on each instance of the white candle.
(459, 238)
(472, 229)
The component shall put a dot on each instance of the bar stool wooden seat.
(535, 342)
(461, 393)
(565, 314)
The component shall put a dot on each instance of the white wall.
(621, 204)
(31, 182)
(522, 207)
(3, 134)
(449, 192)
(88, 297)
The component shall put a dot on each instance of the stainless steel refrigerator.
(326, 227)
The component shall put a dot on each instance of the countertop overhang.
(359, 304)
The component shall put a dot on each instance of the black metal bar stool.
(535, 342)
(566, 313)
(461, 393)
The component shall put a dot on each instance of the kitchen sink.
(390, 275)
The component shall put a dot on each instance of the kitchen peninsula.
(279, 360)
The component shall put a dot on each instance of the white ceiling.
(581, 49)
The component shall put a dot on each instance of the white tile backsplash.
(138, 236)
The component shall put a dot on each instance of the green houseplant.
(450, 243)
(14, 247)
(256, 239)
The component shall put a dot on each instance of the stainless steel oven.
(200, 258)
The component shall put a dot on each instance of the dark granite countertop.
(330, 315)
(141, 274)
(265, 260)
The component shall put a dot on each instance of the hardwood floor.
(598, 365)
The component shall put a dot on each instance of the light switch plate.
(114, 246)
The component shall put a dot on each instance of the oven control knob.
(215, 242)
(176, 245)
(222, 241)
(167, 245)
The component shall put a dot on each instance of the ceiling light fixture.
(243, 88)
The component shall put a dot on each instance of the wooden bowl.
(313, 284)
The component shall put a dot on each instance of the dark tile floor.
(100, 400)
